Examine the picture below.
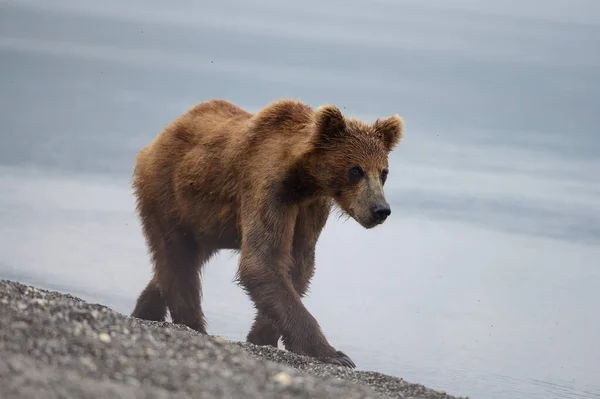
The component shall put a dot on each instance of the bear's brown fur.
(219, 177)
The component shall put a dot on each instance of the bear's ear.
(330, 124)
(390, 131)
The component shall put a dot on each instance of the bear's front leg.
(264, 332)
(310, 222)
(266, 257)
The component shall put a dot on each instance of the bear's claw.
(339, 359)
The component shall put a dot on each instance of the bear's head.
(353, 162)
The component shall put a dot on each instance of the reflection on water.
(484, 280)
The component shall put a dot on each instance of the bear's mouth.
(367, 223)
(371, 224)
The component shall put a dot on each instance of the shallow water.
(484, 280)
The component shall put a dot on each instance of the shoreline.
(55, 345)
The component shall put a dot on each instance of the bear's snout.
(380, 211)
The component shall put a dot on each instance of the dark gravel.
(54, 345)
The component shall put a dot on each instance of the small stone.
(220, 340)
(226, 373)
(19, 325)
(104, 337)
(89, 363)
(132, 381)
(200, 355)
(41, 302)
(282, 378)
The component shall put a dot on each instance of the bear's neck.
(299, 183)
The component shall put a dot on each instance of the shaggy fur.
(219, 177)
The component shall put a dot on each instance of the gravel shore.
(54, 345)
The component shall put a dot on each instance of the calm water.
(484, 282)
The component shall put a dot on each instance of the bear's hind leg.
(150, 303)
(179, 278)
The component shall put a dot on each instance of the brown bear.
(219, 177)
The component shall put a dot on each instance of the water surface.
(484, 280)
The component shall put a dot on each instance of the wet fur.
(219, 177)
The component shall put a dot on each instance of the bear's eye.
(356, 173)
(384, 174)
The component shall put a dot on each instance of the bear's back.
(218, 144)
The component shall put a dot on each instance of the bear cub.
(219, 177)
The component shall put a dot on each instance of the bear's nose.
(380, 212)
